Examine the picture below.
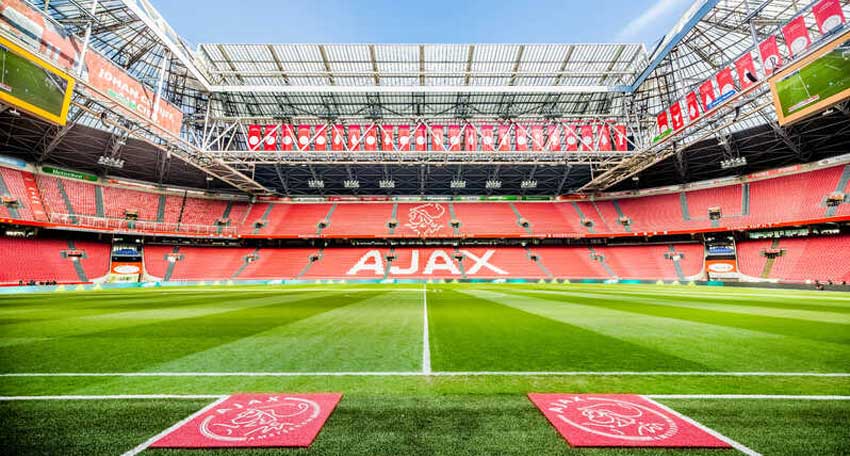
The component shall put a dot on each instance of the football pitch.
(424, 369)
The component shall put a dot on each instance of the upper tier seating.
(13, 181)
(779, 200)
(360, 220)
(488, 220)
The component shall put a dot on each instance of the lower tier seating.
(52, 260)
(797, 259)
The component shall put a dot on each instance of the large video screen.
(813, 84)
(32, 85)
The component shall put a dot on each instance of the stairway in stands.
(841, 188)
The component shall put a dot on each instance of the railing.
(146, 226)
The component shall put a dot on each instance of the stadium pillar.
(86, 39)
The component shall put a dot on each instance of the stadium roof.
(237, 83)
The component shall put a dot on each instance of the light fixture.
(493, 184)
(736, 162)
(386, 183)
(351, 183)
(528, 183)
(110, 162)
(457, 183)
(315, 183)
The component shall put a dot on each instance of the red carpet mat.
(622, 420)
(254, 420)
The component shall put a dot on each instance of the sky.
(430, 21)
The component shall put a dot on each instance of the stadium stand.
(194, 263)
(13, 190)
(488, 219)
(360, 220)
(797, 259)
(754, 204)
(66, 262)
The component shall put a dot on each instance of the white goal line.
(432, 374)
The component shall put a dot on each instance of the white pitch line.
(111, 396)
(426, 343)
(144, 445)
(433, 373)
(734, 444)
(787, 397)
(219, 396)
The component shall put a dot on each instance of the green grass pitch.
(489, 344)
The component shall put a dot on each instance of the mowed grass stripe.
(473, 334)
(825, 315)
(777, 306)
(75, 321)
(134, 347)
(371, 332)
(821, 331)
(731, 349)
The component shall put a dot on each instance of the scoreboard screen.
(30, 84)
(813, 84)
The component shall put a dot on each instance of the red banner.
(404, 137)
(387, 137)
(554, 142)
(587, 137)
(537, 137)
(303, 137)
(828, 15)
(270, 138)
(771, 59)
(420, 138)
(746, 69)
(725, 81)
(255, 135)
(504, 137)
(63, 50)
(337, 138)
(437, 138)
(707, 94)
(370, 138)
(354, 137)
(454, 138)
(663, 122)
(521, 133)
(604, 133)
(676, 117)
(796, 36)
(692, 106)
(621, 142)
(571, 137)
(287, 139)
(487, 138)
(321, 141)
(470, 138)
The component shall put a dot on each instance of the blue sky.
(429, 21)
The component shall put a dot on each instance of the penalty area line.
(432, 373)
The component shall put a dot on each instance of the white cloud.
(660, 9)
